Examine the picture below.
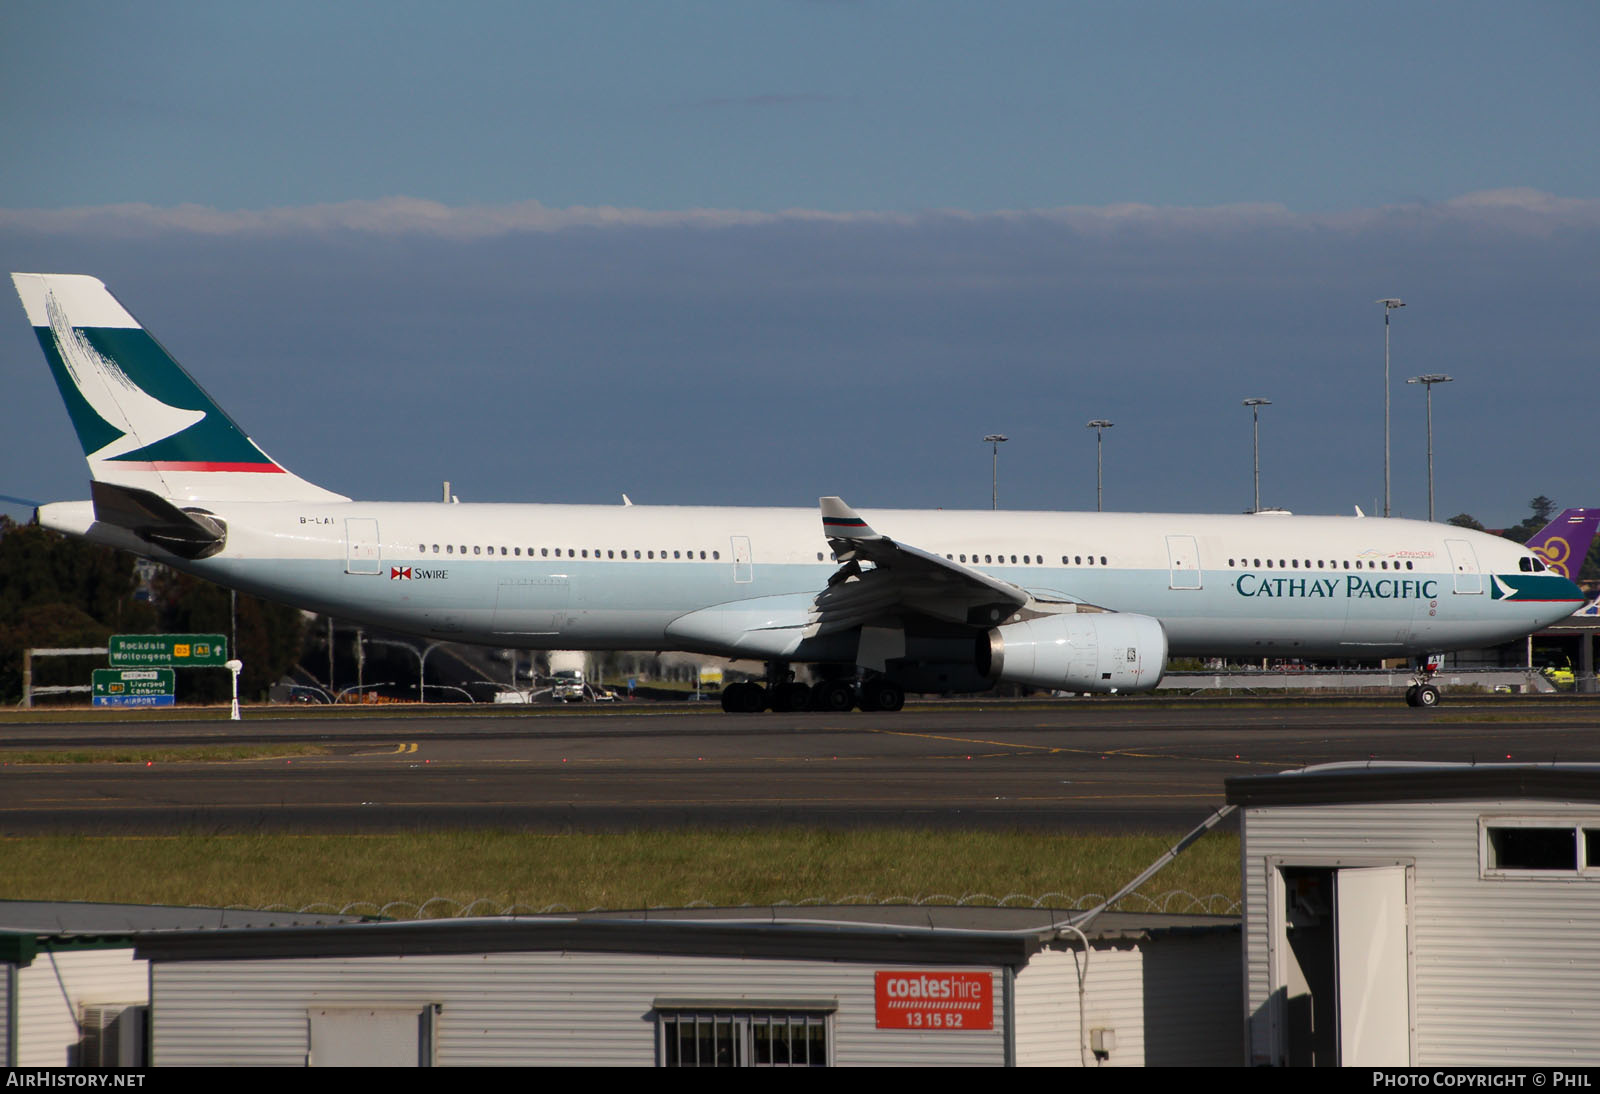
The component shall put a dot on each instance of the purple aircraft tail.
(1564, 542)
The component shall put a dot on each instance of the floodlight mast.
(1099, 425)
(1428, 380)
(995, 439)
(1389, 303)
(1255, 405)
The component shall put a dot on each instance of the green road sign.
(133, 687)
(177, 650)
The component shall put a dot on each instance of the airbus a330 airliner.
(1083, 602)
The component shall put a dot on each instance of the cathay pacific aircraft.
(879, 603)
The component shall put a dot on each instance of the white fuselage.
(616, 577)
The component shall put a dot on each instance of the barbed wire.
(1171, 902)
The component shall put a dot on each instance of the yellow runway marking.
(1128, 752)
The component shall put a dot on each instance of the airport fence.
(1172, 902)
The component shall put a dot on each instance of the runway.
(1061, 766)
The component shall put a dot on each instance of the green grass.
(505, 870)
(139, 754)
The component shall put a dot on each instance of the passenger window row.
(1321, 564)
(569, 552)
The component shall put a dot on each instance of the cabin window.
(449, 549)
(476, 549)
(714, 554)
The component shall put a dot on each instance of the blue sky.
(752, 253)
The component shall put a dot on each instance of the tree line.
(61, 592)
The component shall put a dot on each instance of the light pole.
(1099, 425)
(1389, 303)
(1255, 406)
(996, 439)
(1427, 382)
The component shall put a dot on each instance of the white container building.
(891, 985)
(1422, 914)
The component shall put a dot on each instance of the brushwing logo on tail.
(120, 403)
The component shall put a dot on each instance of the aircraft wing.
(901, 580)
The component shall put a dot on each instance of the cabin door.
(362, 552)
(743, 560)
(1183, 557)
(1464, 565)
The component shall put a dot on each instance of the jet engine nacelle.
(1102, 651)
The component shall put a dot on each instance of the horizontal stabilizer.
(157, 521)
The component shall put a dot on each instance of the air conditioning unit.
(114, 1035)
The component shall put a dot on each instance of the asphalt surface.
(1127, 765)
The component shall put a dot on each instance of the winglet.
(839, 521)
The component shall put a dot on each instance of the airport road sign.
(134, 687)
(176, 650)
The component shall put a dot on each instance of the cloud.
(808, 98)
(1520, 210)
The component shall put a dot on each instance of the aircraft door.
(534, 605)
(743, 560)
(363, 552)
(1464, 565)
(1183, 557)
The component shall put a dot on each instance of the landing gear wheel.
(1427, 696)
(791, 697)
(834, 696)
(744, 698)
(1411, 695)
(881, 694)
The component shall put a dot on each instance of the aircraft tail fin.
(1564, 542)
(142, 421)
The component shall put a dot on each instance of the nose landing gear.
(1422, 693)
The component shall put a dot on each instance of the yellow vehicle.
(1559, 675)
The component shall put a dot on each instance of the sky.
(753, 253)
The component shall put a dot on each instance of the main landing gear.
(1421, 693)
(783, 694)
